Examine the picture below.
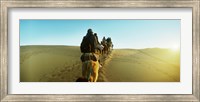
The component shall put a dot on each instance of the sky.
(134, 34)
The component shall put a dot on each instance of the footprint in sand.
(53, 75)
(62, 70)
(59, 74)
(62, 77)
(69, 69)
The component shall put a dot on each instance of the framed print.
(100, 50)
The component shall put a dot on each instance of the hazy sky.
(124, 33)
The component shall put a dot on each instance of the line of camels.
(107, 46)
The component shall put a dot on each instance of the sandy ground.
(62, 64)
(49, 63)
(148, 65)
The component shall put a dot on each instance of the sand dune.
(147, 65)
(49, 63)
(62, 64)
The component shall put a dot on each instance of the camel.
(90, 70)
(105, 47)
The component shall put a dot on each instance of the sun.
(175, 48)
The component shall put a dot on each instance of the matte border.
(6, 4)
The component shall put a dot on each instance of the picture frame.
(7, 4)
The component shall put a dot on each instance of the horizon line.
(113, 48)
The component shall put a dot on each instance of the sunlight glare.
(175, 48)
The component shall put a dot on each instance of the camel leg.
(95, 71)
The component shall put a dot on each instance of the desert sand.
(63, 64)
(146, 65)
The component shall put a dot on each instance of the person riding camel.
(95, 34)
(103, 42)
(99, 47)
(90, 57)
(89, 47)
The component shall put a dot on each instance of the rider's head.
(89, 31)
